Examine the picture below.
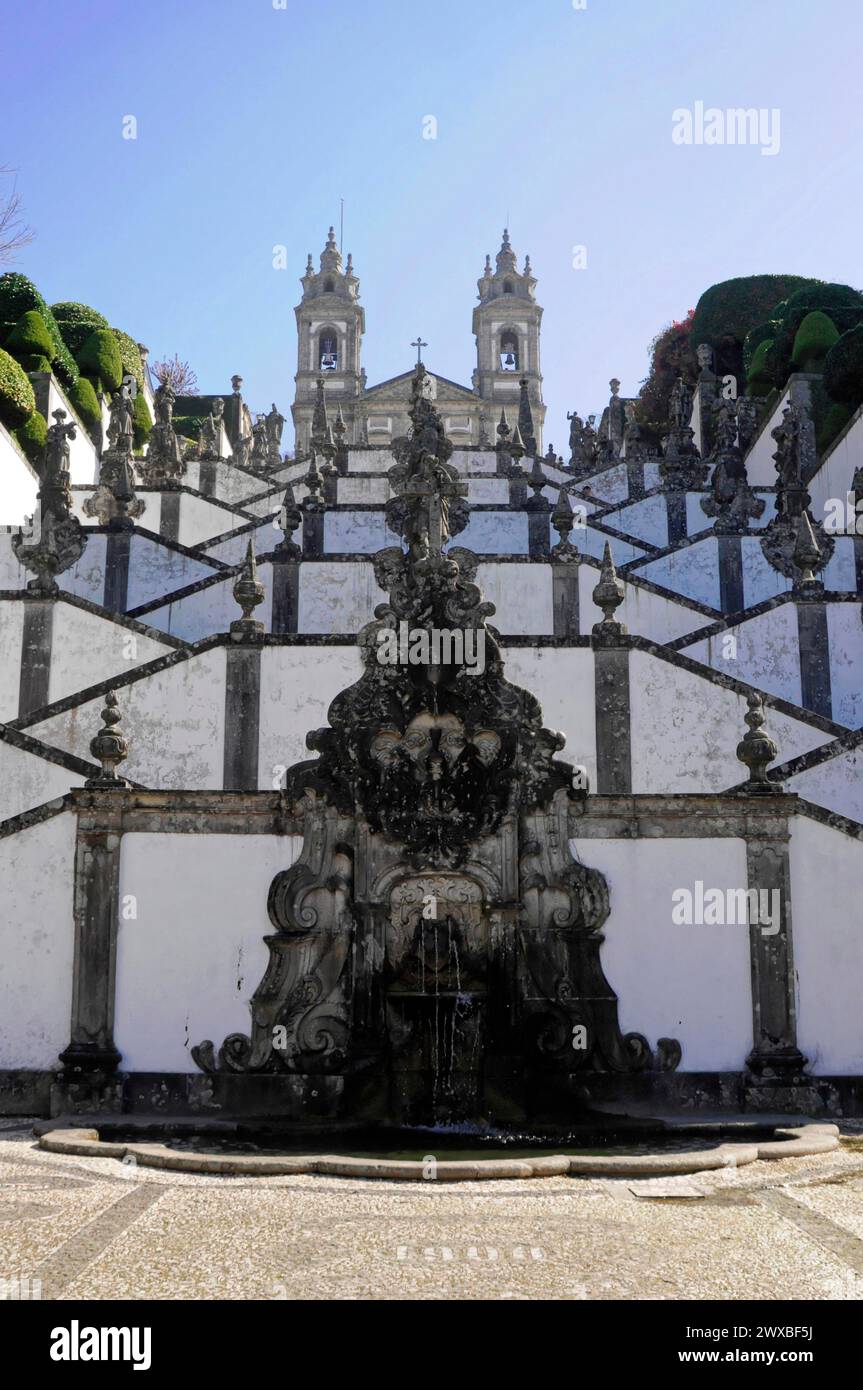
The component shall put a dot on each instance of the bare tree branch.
(179, 374)
(14, 231)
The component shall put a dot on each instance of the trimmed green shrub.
(17, 401)
(736, 306)
(99, 359)
(813, 340)
(142, 421)
(32, 436)
(754, 338)
(843, 305)
(30, 342)
(130, 357)
(835, 418)
(188, 425)
(85, 402)
(759, 381)
(843, 368)
(17, 295)
(76, 322)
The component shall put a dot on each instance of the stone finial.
(757, 749)
(319, 416)
(236, 383)
(538, 481)
(608, 595)
(614, 386)
(109, 746)
(290, 519)
(807, 552)
(314, 481)
(525, 417)
(704, 354)
(504, 433)
(563, 521)
(517, 450)
(249, 592)
(483, 438)
(339, 428)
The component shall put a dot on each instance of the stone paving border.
(797, 1141)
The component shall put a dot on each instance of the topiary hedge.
(32, 436)
(727, 312)
(843, 368)
(840, 303)
(188, 425)
(30, 342)
(142, 421)
(759, 382)
(85, 403)
(130, 356)
(17, 295)
(99, 359)
(17, 401)
(812, 341)
(76, 322)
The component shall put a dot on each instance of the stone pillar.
(538, 533)
(675, 505)
(313, 531)
(613, 729)
(814, 644)
(207, 478)
(242, 716)
(731, 598)
(286, 594)
(635, 476)
(36, 643)
(169, 521)
(117, 550)
(91, 1057)
(775, 1062)
(564, 580)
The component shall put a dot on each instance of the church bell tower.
(330, 327)
(506, 324)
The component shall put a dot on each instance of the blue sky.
(254, 121)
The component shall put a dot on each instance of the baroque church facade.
(506, 326)
(249, 869)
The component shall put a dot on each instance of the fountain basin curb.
(801, 1142)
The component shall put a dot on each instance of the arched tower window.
(328, 350)
(507, 287)
(329, 286)
(509, 351)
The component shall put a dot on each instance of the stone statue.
(680, 403)
(61, 541)
(260, 456)
(163, 465)
(275, 423)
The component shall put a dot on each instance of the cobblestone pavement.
(95, 1229)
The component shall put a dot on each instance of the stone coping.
(798, 1141)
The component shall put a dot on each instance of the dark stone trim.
(195, 812)
(675, 511)
(36, 815)
(286, 597)
(28, 744)
(775, 1057)
(858, 561)
(313, 533)
(613, 726)
(169, 519)
(117, 552)
(207, 479)
(565, 600)
(242, 717)
(679, 815)
(236, 531)
(122, 619)
(143, 490)
(731, 597)
(834, 819)
(91, 1052)
(36, 642)
(538, 542)
(814, 649)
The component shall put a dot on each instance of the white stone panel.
(686, 982)
(18, 493)
(11, 629)
(210, 609)
(760, 580)
(644, 613)
(836, 783)
(174, 720)
(562, 680)
(685, 730)
(692, 571)
(27, 781)
(522, 595)
(37, 938)
(495, 533)
(155, 570)
(766, 653)
(760, 468)
(297, 687)
(87, 648)
(836, 474)
(336, 597)
(826, 873)
(190, 960)
(646, 520)
(364, 490)
(488, 490)
(845, 633)
(356, 532)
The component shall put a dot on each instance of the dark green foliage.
(99, 359)
(843, 368)
(17, 295)
(142, 421)
(753, 340)
(30, 340)
(813, 340)
(85, 403)
(130, 356)
(188, 425)
(76, 322)
(670, 356)
(17, 401)
(835, 418)
(32, 436)
(759, 381)
(843, 305)
(728, 311)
